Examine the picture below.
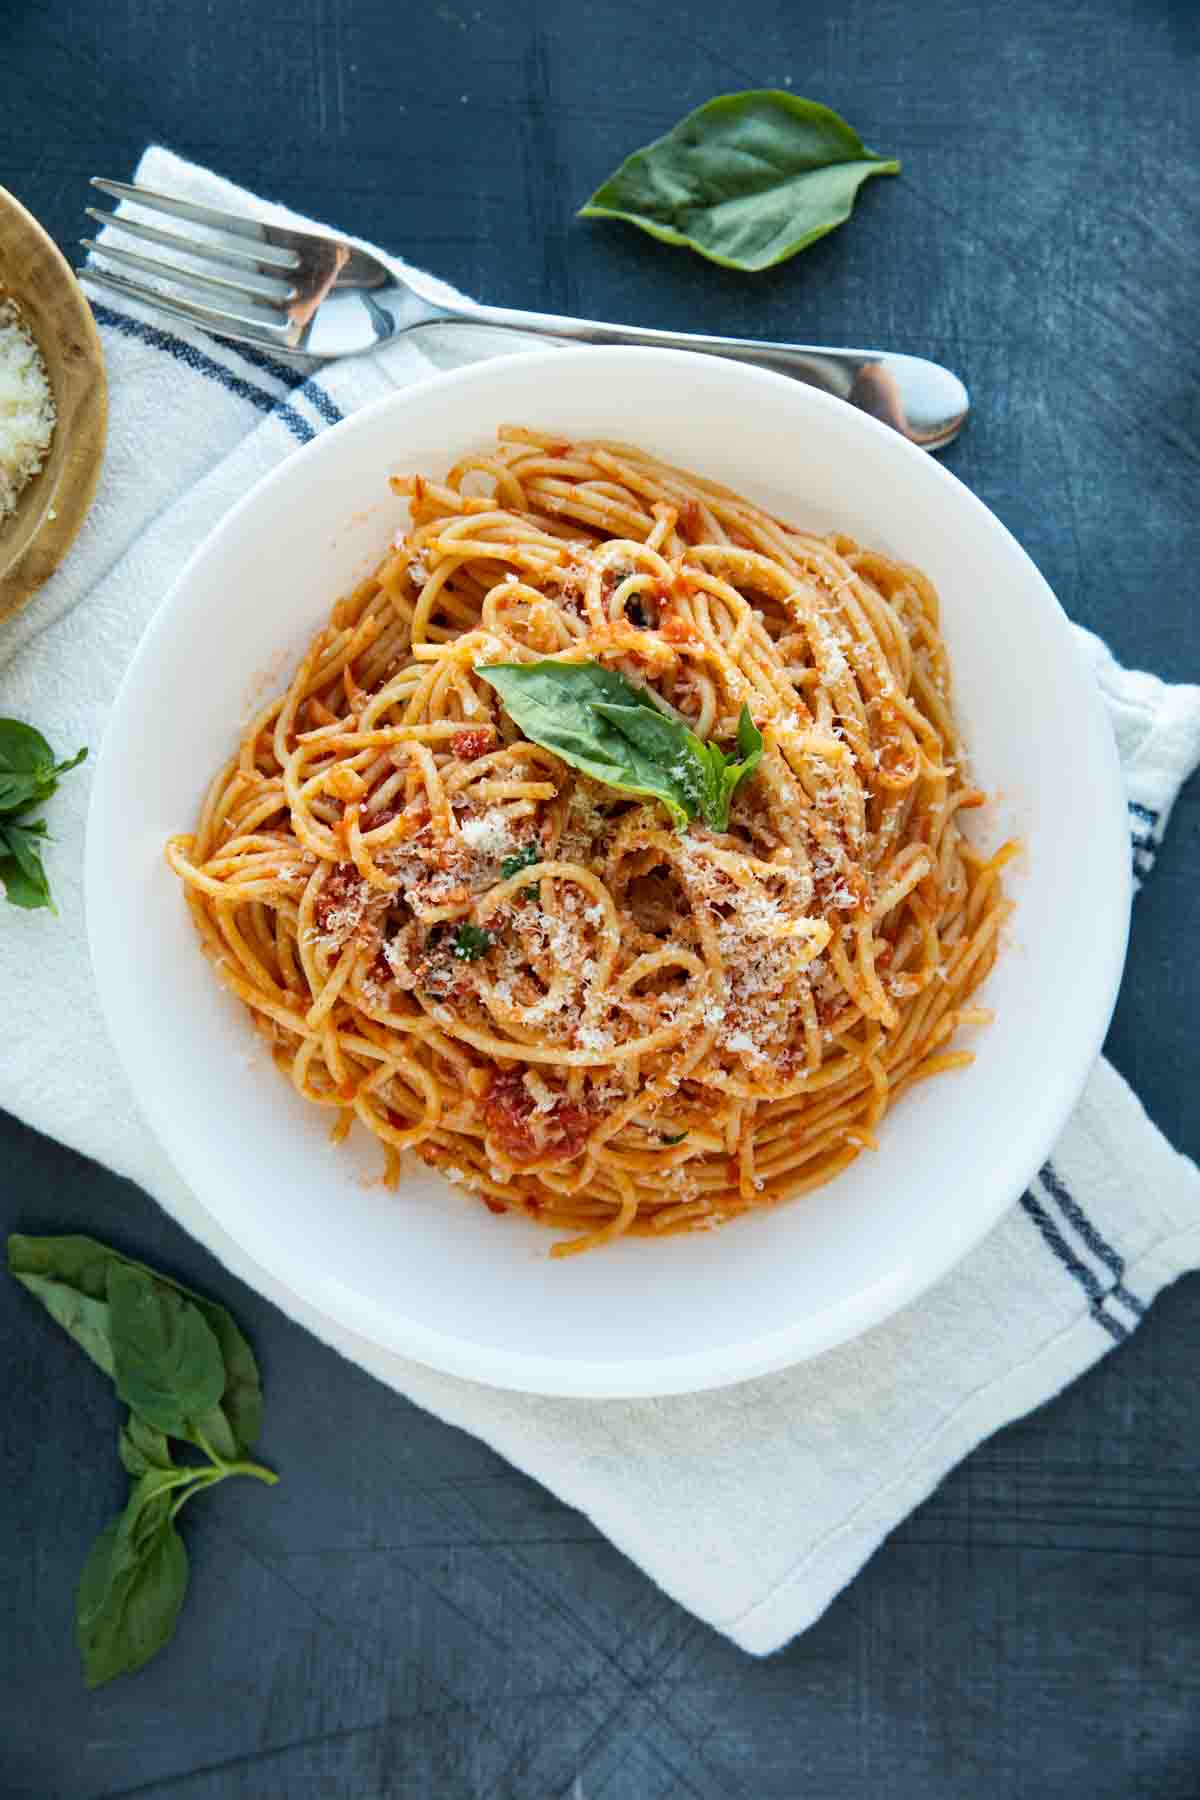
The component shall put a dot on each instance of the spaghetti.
(532, 979)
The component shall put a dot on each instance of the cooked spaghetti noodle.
(532, 979)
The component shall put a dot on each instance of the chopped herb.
(520, 859)
(671, 1137)
(471, 942)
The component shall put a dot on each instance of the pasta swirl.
(529, 977)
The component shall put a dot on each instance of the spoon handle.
(920, 399)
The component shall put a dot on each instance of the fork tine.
(251, 331)
(274, 295)
(237, 225)
(208, 248)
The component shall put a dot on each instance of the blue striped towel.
(787, 1484)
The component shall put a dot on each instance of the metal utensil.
(307, 293)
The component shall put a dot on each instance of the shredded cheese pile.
(27, 414)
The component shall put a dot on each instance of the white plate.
(427, 1271)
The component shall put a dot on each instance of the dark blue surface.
(405, 1615)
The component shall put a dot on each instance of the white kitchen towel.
(752, 1506)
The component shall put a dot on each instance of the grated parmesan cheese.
(27, 414)
(491, 835)
(544, 1098)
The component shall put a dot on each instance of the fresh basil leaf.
(18, 791)
(749, 740)
(128, 1604)
(242, 1400)
(24, 748)
(154, 1599)
(28, 771)
(712, 771)
(671, 1137)
(727, 772)
(185, 1369)
(142, 1446)
(116, 1552)
(21, 870)
(25, 839)
(557, 705)
(665, 745)
(151, 1498)
(70, 762)
(87, 1321)
(746, 180)
(28, 775)
(596, 720)
(76, 1300)
(167, 1362)
(212, 1431)
(96, 1600)
(135, 1577)
(81, 1264)
(77, 1262)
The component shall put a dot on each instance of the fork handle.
(923, 401)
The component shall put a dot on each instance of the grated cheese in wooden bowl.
(27, 413)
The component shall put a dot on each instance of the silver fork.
(306, 293)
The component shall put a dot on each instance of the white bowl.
(427, 1271)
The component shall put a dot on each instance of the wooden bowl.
(35, 538)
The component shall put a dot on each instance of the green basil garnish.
(133, 1584)
(520, 859)
(470, 942)
(186, 1371)
(746, 180)
(167, 1364)
(599, 722)
(523, 859)
(28, 776)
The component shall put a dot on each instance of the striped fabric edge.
(1065, 1228)
(1086, 1255)
(1145, 836)
(296, 383)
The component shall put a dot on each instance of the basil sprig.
(28, 777)
(746, 180)
(185, 1371)
(600, 723)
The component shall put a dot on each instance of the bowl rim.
(66, 484)
(537, 1373)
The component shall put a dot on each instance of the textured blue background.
(405, 1615)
